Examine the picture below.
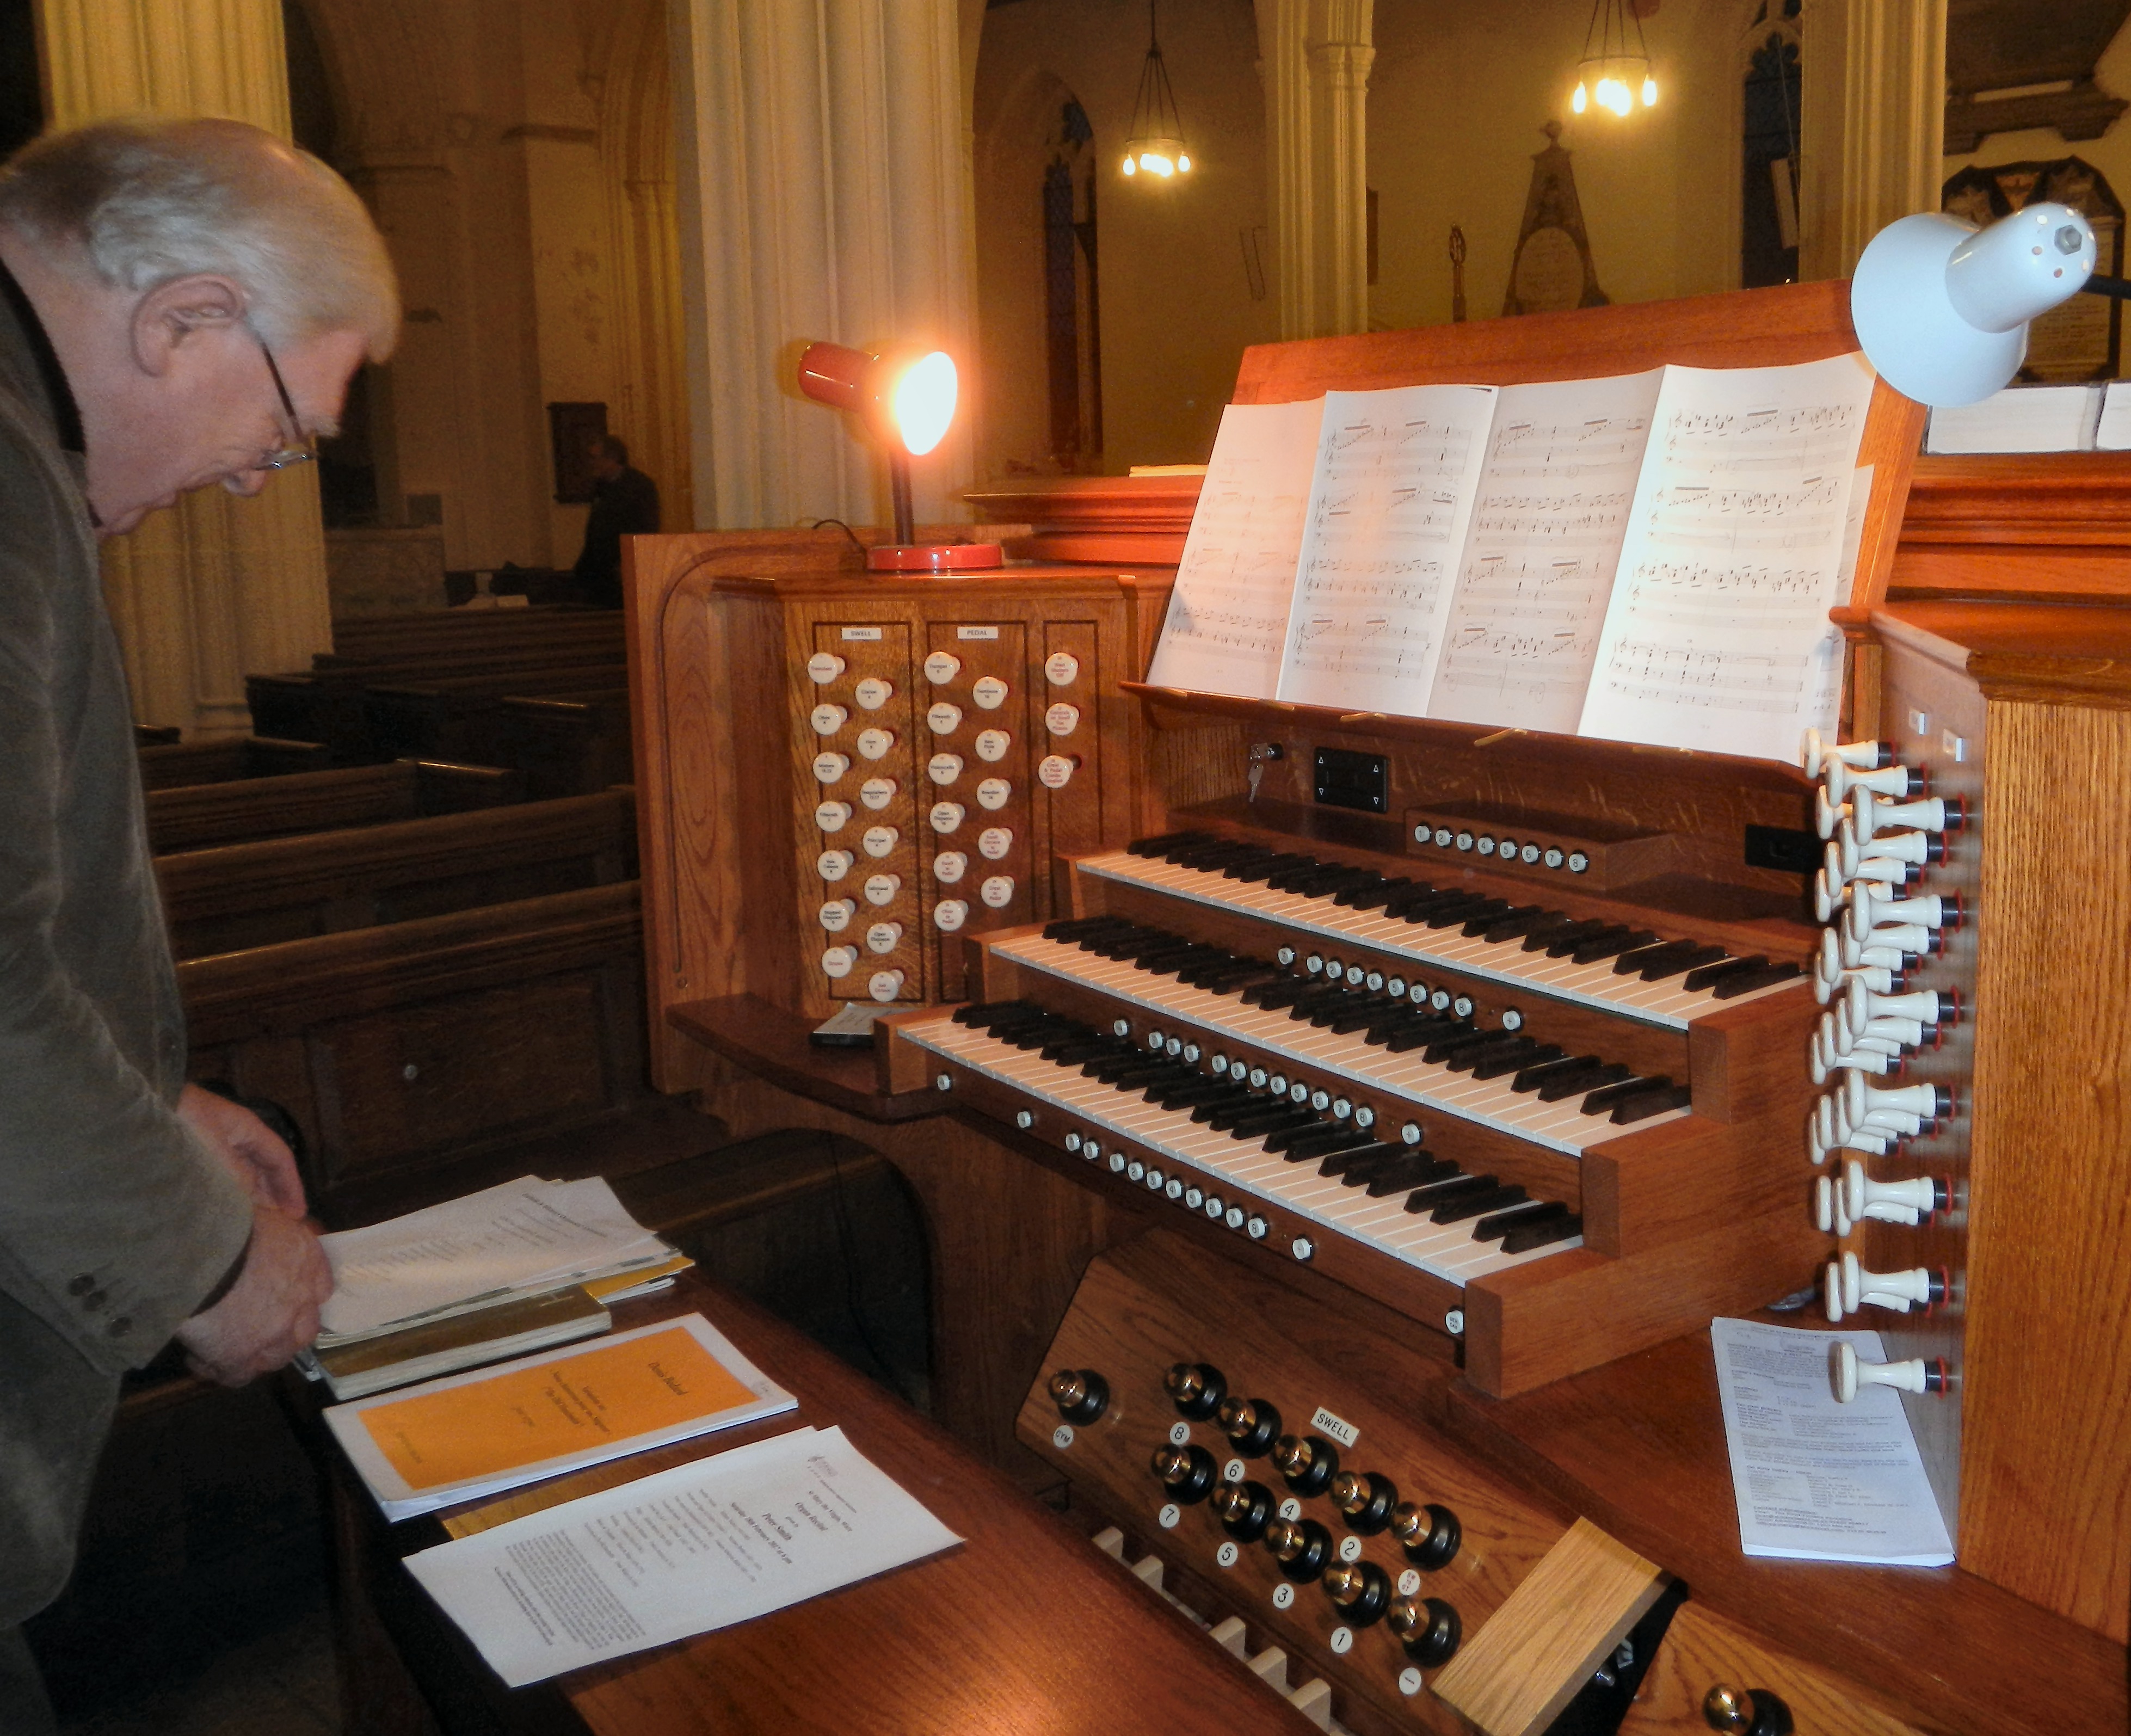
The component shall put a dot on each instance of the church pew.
(386, 638)
(565, 743)
(246, 809)
(330, 705)
(169, 766)
(156, 734)
(255, 894)
(454, 718)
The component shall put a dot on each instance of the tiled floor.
(281, 1683)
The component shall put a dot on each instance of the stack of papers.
(479, 1434)
(1816, 1480)
(514, 1268)
(684, 1551)
(519, 1239)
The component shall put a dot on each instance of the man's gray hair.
(146, 201)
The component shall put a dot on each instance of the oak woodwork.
(1564, 1619)
(172, 765)
(2050, 527)
(1132, 520)
(1703, 1651)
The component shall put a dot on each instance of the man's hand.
(272, 1309)
(253, 1150)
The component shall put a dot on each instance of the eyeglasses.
(302, 448)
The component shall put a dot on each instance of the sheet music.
(1546, 534)
(1227, 614)
(1396, 474)
(1733, 558)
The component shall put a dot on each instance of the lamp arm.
(2117, 289)
(898, 489)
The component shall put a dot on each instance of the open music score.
(1227, 615)
(1717, 636)
(1390, 505)
(1552, 514)
(1647, 557)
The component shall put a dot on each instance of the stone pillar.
(217, 588)
(823, 191)
(1314, 57)
(1874, 124)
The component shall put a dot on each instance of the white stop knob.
(993, 842)
(1912, 849)
(880, 889)
(1894, 1202)
(873, 744)
(828, 719)
(949, 914)
(998, 891)
(832, 815)
(882, 938)
(949, 866)
(824, 667)
(1892, 781)
(1918, 1287)
(1816, 755)
(1870, 816)
(944, 768)
(994, 793)
(945, 816)
(833, 864)
(989, 692)
(1861, 1007)
(836, 914)
(877, 793)
(837, 960)
(879, 841)
(992, 744)
(943, 719)
(829, 767)
(873, 693)
(942, 667)
(885, 985)
(1849, 1375)
(1926, 1102)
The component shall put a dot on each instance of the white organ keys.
(1666, 1004)
(1560, 1126)
(1231, 1167)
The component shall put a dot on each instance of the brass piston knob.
(1188, 1473)
(1360, 1591)
(1366, 1498)
(1244, 1510)
(1196, 1388)
(1429, 1535)
(1745, 1711)
(1302, 1547)
(1080, 1394)
(1307, 1463)
(1251, 1425)
(1427, 1626)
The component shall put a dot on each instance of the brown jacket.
(114, 1220)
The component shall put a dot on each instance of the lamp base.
(934, 557)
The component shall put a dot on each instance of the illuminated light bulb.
(1184, 163)
(1131, 167)
(924, 402)
(1581, 100)
(1650, 92)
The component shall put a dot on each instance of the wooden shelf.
(774, 1044)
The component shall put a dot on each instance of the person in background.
(182, 304)
(625, 503)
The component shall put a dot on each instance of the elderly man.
(181, 303)
(625, 503)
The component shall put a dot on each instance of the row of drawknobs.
(1885, 832)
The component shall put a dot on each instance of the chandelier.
(1611, 68)
(1156, 145)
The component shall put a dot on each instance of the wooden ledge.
(773, 1043)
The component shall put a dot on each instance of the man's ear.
(171, 315)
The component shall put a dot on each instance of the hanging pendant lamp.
(1156, 145)
(1615, 60)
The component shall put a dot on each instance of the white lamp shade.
(1942, 309)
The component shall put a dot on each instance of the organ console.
(1336, 1130)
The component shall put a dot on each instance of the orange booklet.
(475, 1434)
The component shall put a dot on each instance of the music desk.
(1023, 1628)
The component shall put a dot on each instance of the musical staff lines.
(1716, 632)
(1390, 501)
(1547, 529)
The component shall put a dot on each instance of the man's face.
(214, 415)
(605, 466)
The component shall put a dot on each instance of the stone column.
(1314, 57)
(1874, 124)
(217, 588)
(823, 191)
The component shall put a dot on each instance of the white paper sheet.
(1733, 558)
(681, 1552)
(1392, 493)
(1227, 614)
(2112, 433)
(2019, 419)
(520, 1234)
(1816, 1480)
(1546, 528)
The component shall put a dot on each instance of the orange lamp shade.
(907, 396)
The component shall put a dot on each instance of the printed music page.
(677, 1553)
(1396, 474)
(1718, 628)
(1546, 534)
(1227, 614)
(470, 1434)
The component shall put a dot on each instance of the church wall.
(1457, 100)
(1177, 309)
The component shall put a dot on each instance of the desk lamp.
(1942, 309)
(906, 398)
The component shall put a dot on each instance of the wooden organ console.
(1336, 1135)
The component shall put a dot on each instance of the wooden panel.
(1558, 1626)
(1702, 1650)
(2046, 1495)
(246, 809)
